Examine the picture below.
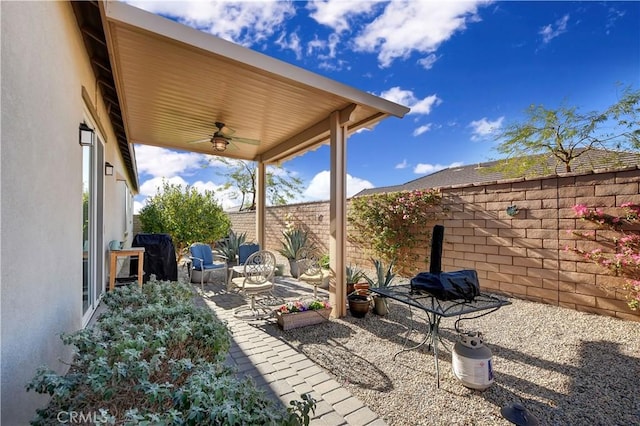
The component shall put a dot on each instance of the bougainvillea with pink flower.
(303, 305)
(392, 224)
(623, 259)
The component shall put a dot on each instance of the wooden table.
(130, 252)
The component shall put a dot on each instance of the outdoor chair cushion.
(246, 250)
(203, 258)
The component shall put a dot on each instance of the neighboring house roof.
(480, 173)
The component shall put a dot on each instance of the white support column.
(337, 212)
(261, 203)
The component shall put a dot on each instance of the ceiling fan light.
(219, 143)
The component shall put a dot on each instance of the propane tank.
(471, 361)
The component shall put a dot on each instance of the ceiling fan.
(221, 138)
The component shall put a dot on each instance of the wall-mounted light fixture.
(513, 210)
(86, 135)
(108, 169)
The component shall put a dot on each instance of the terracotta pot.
(350, 288)
(359, 305)
(361, 288)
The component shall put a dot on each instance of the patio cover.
(173, 83)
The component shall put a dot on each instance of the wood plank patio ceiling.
(175, 82)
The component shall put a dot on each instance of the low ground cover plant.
(156, 358)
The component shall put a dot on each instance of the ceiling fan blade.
(200, 140)
(227, 131)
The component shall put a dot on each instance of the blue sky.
(466, 69)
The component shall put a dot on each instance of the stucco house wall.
(44, 68)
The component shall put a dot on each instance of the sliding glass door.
(92, 227)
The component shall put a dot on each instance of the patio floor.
(283, 372)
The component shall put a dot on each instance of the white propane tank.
(471, 361)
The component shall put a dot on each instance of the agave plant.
(353, 274)
(296, 243)
(229, 247)
(384, 276)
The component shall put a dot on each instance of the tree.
(281, 185)
(565, 134)
(186, 214)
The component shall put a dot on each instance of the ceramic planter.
(359, 305)
(380, 306)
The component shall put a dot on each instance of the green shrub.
(155, 358)
(393, 225)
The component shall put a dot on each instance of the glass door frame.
(93, 181)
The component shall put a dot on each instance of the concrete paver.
(281, 371)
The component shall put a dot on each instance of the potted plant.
(353, 276)
(295, 244)
(383, 278)
(301, 313)
(229, 246)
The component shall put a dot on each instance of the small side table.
(130, 252)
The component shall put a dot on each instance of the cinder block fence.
(523, 256)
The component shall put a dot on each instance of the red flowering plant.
(303, 305)
(623, 259)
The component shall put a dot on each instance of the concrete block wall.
(523, 256)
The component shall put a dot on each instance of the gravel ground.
(565, 367)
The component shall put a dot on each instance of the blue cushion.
(214, 266)
(246, 250)
(201, 251)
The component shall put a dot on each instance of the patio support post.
(261, 203)
(337, 209)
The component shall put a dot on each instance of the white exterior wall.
(44, 67)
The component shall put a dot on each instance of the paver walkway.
(284, 373)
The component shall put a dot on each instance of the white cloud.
(161, 162)
(428, 62)
(484, 128)
(408, 26)
(422, 129)
(226, 197)
(407, 98)
(337, 13)
(551, 31)
(292, 42)
(150, 187)
(425, 169)
(242, 22)
(319, 187)
(402, 165)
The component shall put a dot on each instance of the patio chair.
(312, 273)
(202, 263)
(244, 251)
(257, 279)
